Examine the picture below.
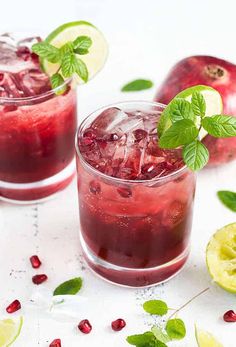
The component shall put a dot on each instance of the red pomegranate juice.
(37, 127)
(135, 199)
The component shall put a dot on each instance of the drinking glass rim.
(168, 177)
(26, 99)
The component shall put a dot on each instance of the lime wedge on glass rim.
(9, 331)
(221, 257)
(214, 105)
(98, 51)
(205, 339)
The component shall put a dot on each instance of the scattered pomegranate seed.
(55, 343)
(230, 316)
(38, 279)
(118, 324)
(84, 326)
(35, 261)
(14, 306)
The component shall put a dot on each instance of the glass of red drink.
(135, 199)
(37, 126)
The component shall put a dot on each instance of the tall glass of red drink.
(135, 199)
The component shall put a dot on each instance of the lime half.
(9, 331)
(214, 105)
(221, 257)
(205, 339)
(98, 52)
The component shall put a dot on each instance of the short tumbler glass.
(137, 239)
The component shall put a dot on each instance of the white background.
(145, 39)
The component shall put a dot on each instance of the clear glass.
(134, 233)
(37, 144)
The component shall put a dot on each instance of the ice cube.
(107, 121)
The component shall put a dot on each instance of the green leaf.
(47, 51)
(137, 85)
(70, 287)
(164, 122)
(67, 48)
(195, 155)
(157, 307)
(180, 133)
(160, 334)
(82, 44)
(81, 70)
(220, 126)
(198, 104)
(181, 109)
(57, 81)
(145, 340)
(228, 198)
(69, 63)
(175, 329)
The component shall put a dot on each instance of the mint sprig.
(67, 59)
(180, 125)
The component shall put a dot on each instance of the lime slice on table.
(9, 331)
(214, 105)
(221, 257)
(205, 339)
(98, 51)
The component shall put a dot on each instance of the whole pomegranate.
(214, 72)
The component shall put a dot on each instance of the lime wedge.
(221, 257)
(205, 339)
(213, 101)
(98, 52)
(9, 331)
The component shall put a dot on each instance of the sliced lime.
(9, 331)
(98, 51)
(221, 257)
(212, 98)
(205, 339)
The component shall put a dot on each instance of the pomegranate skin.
(214, 72)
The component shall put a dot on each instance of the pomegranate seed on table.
(230, 316)
(35, 261)
(118, 324)
(38, 279)
(55, 343)
(14, 306)
(84, 326)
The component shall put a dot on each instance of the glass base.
(26, 193)
(131, 277)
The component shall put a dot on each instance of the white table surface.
(145, 38)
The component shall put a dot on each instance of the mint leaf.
(228, 198)
(67, 48)
(56, 81)
(70, 287)
(175, 329)
(47, 51)
(157, 307)
(82, 44)
(81, 70)
(195, 155)
(145, 340)
(164, 121)
(68, 64)
(180, 133)
(160, 334)
(137, 85)
(181, 109)
(198, 104)
(220, 125)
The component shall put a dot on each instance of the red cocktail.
(135, 199)
(37, 126)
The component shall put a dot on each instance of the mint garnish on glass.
(183, 123)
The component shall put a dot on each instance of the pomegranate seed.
(230, 316)
(9, 108)
(1, 76)
(118, 324)
(90, 133)
(124, 192)
(94, 187)
(14, 306)
(38, 279)
(140, 134)
(23, 52)
(35, 261)
(84, 326)
(55, 343)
